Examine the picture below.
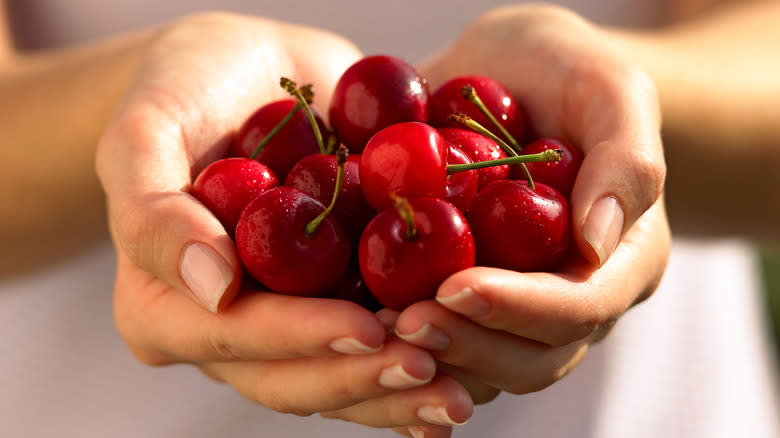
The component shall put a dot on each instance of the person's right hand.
(176, 292)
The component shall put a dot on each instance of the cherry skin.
(353, 288)
(226, 186)
(407, 159)
(293, 141)
(316, 175)
(400, 269)
(559, 174)
(478, 148)
(461, 186)
(275, 248)
(447, 99)
(374, 93)
(520, 229)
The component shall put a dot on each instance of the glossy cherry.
(498, 100)
(226, 186)
(316, 175)
(478, 148)
(374, 93)
(560, 174)
(276, 248)
(461, 186)
(294, 140)
(406, 252)
(518, 228)
(353, 288)
(406, 159)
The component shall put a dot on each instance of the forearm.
(55, 105)
(718, 81)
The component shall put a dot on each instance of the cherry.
(226, 186)
(496, 98)
(406, 252)
(293, 140)
(317, 176)
(405, 159)
(374, 93)
(353, 288)
(519, 228)
(289, 243)
(479, 148)
(461, 186)
(560, 174)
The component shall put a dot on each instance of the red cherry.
(374, 93)
(403, 264)
(498, 100)
(478, 148)
(461, 186)
(226, 186)
(316, 175)
(276, 249)
(559, 174)
(406, 159)
(520, 229)
(294, 140)
(353, 288)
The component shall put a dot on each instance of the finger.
(560, 308)
(310, 385)
(424, 431)
(163, 326)
(492, 357)
(443, 402)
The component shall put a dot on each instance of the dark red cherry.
(520, 229)
(559, 174)
(353, 288)
(293, 141)
(478, 148)
(276, 249)
(316, 175)
(407, 159)
(406, 253)
(226, 186)
(461, 186)
(374, 93)
(448, 99)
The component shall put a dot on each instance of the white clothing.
(692, 361)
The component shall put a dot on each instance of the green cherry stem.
(406, 212)
(548, 155)
(276, 129)
(470, 93)
(341, 160)
(305, 96)
(469, 123)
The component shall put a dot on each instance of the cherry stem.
(470, 93)
(276, 129)
(406, 212)
(469, 123)
(548, 155)
(341, 160)
(305, 95)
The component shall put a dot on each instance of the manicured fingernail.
(206, 273)
(437, 415)
(416, 432)
(604, 226)
(352, 346)
(396, 377)
(466, 302)
(427, 336)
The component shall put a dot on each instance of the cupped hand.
(499, 330)
(177, 287)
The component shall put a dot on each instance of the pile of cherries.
(405, 188)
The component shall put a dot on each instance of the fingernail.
(427, 336)
(466, 302)
(604, 226)
(206, 273)
(437, 415)
(396, 377)
(352, 346)
(416, 432)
